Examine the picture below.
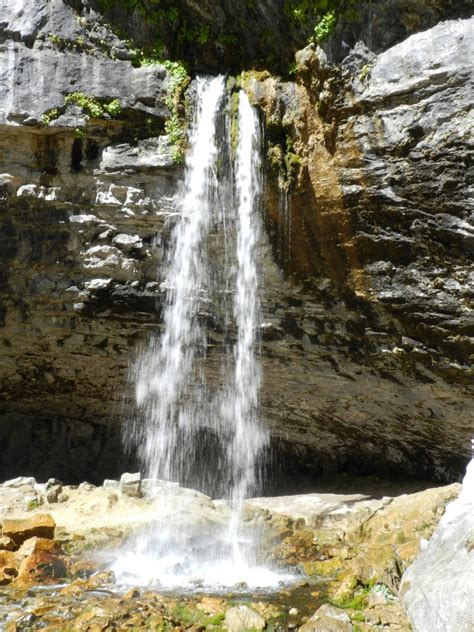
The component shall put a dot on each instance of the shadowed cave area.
(75, 452)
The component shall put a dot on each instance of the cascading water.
(171, 391)
(166, 389)
(248, 437)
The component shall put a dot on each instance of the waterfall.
(175, 402)
(248, 436)
(167, 392)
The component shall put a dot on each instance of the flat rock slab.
(19, 530)
(316, 509)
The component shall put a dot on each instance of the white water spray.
(170, 391)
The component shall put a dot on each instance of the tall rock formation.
(366, 272)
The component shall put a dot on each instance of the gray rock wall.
(365, 332)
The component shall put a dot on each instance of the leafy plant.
(321, 15)
(50, 115)
(92, 106)
(324, 27)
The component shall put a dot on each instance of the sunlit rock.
(19, 530)
(242, 618)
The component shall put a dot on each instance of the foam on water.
(174, 571)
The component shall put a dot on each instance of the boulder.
(110, 484)
(20, 482)
(437, 591)
(243, 618)
(131, 484)
(35, 545)
(21, 529)
(328, 619)
(41, 568)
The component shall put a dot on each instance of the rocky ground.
(345, 552)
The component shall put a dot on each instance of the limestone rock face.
(445, 567)
(365, 270)
(379, 225)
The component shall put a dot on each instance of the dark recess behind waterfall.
(283, 467)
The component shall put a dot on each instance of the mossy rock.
(325, 568)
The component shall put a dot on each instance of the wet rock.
(19, 530)
(110, 484)
(328, 619)
(212, 605)
(131, 485)
(243, 618)
(41, 568)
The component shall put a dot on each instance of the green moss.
(94, 107)
(184, 615)
(364, 73)
(234, 121)
(357, 601)
(326, 568)
(176, 125)
(50, 115)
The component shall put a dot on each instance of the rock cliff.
(366, 273)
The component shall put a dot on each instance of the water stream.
(188, 429)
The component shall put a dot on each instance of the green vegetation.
(357, 602)
(364, 73)
(34, 503)
(93, 107)
(50, 115)
(282, 158)
(78, 45)
(234, 121)
(182, 614)
(176, 125)
(321, 15)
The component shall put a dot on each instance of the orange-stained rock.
(34, 545)
(8, 567)
(21, 529)
(6, 544)
(41, 568)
